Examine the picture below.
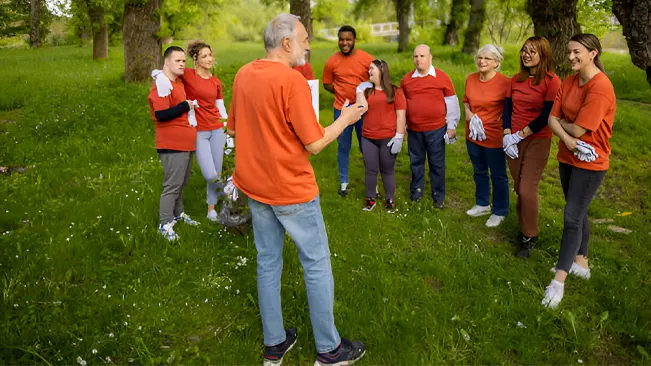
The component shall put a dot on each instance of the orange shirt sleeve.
(557, 109)
(328, 75)
(448, 88)
(400, 101)
(300, 114)
(465, 92)
(158, 103)
(552, 89)
(593, 110)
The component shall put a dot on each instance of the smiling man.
(342, 73)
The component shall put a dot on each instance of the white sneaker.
(494, 221)
(577, 271)
(477, 211)
(185, 218)
(212, 216)
(553, 294)
(168, 232)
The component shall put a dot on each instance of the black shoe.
(347, 353)
(274, 355)
(528, 244)
(517, 240)
(369, 204)
(390, 205)
(343, 192)
(438, 204)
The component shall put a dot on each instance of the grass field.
(86, 277)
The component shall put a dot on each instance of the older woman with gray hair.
(484, 101)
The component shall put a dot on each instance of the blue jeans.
(428, 145)
(304, 223)
(483, 159)
(344, 142)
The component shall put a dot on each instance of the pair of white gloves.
(585, 152)
(510, 144)
(476, 127)
(230, 190)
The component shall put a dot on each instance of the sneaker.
(578, 271)
(494, 220)
(346, 354)
(390, 205)
(186, 219)
(343, 190)
(212, 216)
(528, 244)
(477, 211)
(516, 240)
(273, 356)
(168, 232)
(369, 204)
(439, 204)
(553, 294)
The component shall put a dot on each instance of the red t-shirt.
(176, 134)
(426, 109)
(528, 102)
(205, 91)
(381, 118)
(591, 106)
(346, 73)
(486, 99)
(306, 71)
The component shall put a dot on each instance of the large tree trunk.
(402, 13)
(635, 18)
(475, 26)
(100, 33)
(142, 48)
(35, 23)
(302, 9)
(556, 21)
(456, 19)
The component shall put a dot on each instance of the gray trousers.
(210, 156)
(177, 166)
(379, 159)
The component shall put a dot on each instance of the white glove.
(586, 149)
(477, 132)
(221, 108)
(230, 190)
(191, 117)
(511, 139)
(230, 143)
(163, 84)
(396, 143)
(512, 151)
(449, 140)
(363, 86)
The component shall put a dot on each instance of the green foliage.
(14, 18)
(507, 21)
(595, 16)
(177, 15)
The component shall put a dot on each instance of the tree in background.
(457, 17)
(303, 9)
(635, 17)
(16, 19)
(142, 46)
(475, 25)
(35, 23)
(508, 21)
(176, 15)
(403, 7)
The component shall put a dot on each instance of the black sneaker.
(438, 204)
(390, 205)
(343, 192)
(528, 244)
(346, 354)
(273, 356)
(369, 204)
(516, 240)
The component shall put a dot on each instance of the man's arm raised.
(349, 115)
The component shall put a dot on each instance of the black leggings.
(379, 159)
(579, 188)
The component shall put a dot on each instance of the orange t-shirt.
(306, 71)
(528, 102)
(426, 109)
(346, 73)
(205, 91)
(380, 119)
(176, 134)
(591, 106)
(486, 99)
(273, 119)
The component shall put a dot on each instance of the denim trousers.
(430, 146)
(344, 143)
(484, 159)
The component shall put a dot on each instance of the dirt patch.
(434, 283)
(7, 121)
(9, 170)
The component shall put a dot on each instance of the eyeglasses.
(485, 59)
(529, 53)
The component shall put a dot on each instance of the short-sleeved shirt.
(591, 106)
(380, 121)
(486, 99)
(346, 73)
(306, 71)
(426, 109)
(205, 91)
(528, 102)
(273, 119)
(176, 134)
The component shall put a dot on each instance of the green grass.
(83, 268)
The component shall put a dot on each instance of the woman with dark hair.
(582, 117)
(527, 137)
(382, 133)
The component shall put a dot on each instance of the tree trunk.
(302, 9)
(142, 48)
(475, 26)
(402, 13)
(456, 19)
(35, 23)
(100, 32)
(556, 21)
(635, 18)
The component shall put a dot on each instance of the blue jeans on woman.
(344, 143)
(304, 223)
(484, 159)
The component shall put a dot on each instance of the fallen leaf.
(624, 214)
(602, 221)
(618, 229)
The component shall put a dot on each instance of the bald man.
(432, 116)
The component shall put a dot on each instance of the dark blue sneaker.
(346, 354)
(273, 356)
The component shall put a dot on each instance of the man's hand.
(352, 113)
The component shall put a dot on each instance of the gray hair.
(281, 27)
(496, 52)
